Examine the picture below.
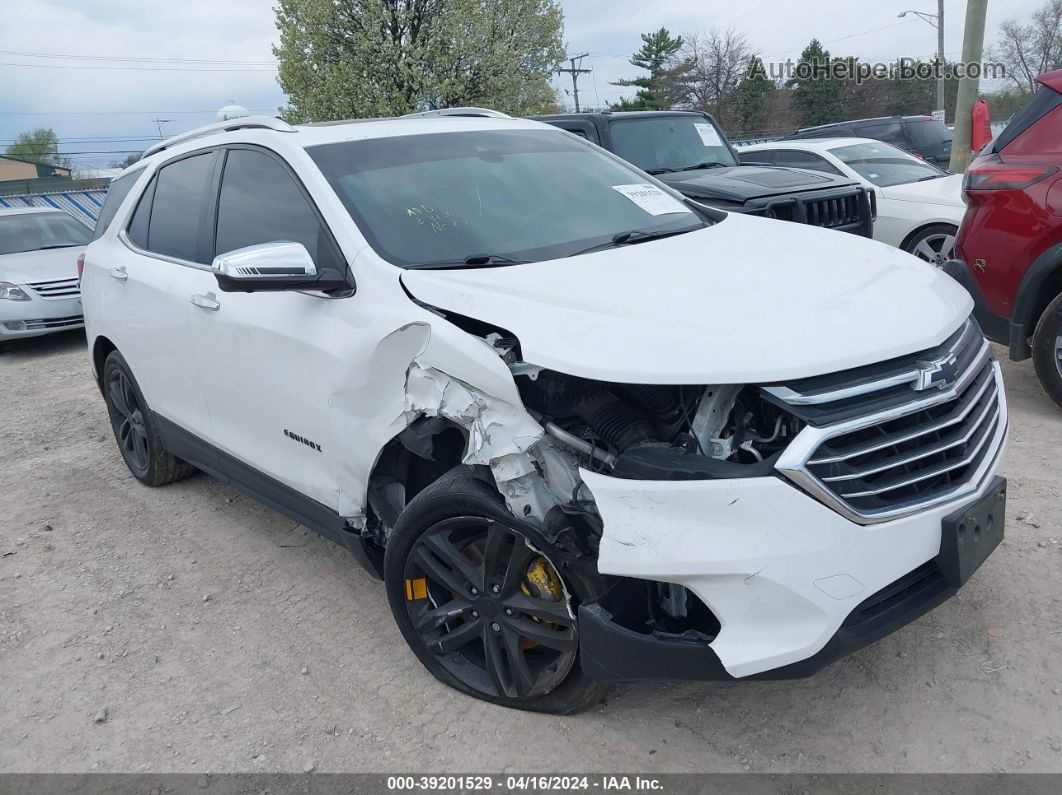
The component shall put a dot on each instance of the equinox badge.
(295, 437)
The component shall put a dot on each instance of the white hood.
(944, 190)
(748, 300)
(40, 266)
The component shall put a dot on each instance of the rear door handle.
(119, 273)
(206, 302)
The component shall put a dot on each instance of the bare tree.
(1031, 48)
(716, 63)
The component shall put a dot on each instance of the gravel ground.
(190, 629)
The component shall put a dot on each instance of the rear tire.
(933, 244)
(135, 429)
(458, 572)
(1047, 350)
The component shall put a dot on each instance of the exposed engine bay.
(660, 432)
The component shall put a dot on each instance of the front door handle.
(206, 302)
(119, 273)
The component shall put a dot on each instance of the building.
(15, 168)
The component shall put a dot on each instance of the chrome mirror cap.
(279, 259)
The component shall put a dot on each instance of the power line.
(844, 38)
(130, 68)
(115, 112)
(135, 59)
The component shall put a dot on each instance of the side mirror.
(281, 265)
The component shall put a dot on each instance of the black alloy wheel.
(491, 607)
(135, 428)
(127, 420)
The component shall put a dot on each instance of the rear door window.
(1044, 101)
(889, 132)
(115, 196)
(794, 158)
(172, 209)
(758, 158)
(261, 202)
(929, 134)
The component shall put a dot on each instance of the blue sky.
(98, 106)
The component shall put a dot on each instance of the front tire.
(481, 599)
(135, 429)
(1047, 350)
(933, 244)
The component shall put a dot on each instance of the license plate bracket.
(969, 535)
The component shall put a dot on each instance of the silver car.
(39, 290)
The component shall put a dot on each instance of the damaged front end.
(540, 440)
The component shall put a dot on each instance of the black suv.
(689, 152)
(922, 136)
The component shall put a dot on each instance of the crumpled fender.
(425, 369)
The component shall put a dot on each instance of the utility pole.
(937, 21)
(575, 72)
(940, 54)
(973, 44)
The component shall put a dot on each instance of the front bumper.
(793, 584)
(39, 316)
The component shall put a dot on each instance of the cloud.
(70, 99)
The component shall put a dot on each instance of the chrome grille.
(55, 322)
(894, 438)
(57, 288)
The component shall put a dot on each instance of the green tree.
(362, 58)
(38, 146)
(657, 57)
(817, 97)
(755, 96)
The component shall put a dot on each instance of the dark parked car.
(689, 152)
(922, 136)
(1010, 241)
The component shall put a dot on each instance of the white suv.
(584, 429)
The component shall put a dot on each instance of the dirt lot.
(222, 637)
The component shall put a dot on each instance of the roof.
(621, 114)
(917, 116)
(307, 135)
(29, 210)
(1052, 80)
(812, 144)
(83, 204)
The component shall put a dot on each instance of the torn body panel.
(781, 572)
(424, 371)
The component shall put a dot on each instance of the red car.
(1009, 248)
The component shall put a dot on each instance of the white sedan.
(919, 206)
(39, 289)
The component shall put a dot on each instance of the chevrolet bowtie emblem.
(939, 373)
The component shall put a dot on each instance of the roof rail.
(480, 112)
(242, 123)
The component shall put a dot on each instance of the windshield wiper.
(634, 236)
(474, 261)
(704, 165)
(931, 176)
(655, 171)
(58, 245)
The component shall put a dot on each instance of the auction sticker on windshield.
(651, 199)
(709, 135)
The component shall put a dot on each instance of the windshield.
(885, 165)
(494, 197)
(659, 144)
(929, 133)
(34, 231)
